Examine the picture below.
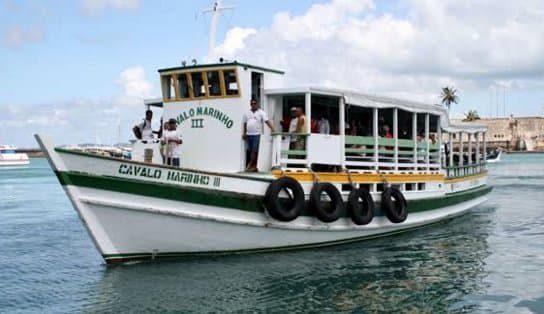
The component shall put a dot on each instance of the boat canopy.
(366, 100)
(462, 127)
(382, 102)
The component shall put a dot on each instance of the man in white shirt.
(254, 121)
(172, 140)
(143, 131)
(323, 125)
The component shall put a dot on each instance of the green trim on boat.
(233, 200)
(228, 175)
(246, 202)
(215, 65)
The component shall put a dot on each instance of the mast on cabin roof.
(215, 10)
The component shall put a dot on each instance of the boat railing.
(464, 170)
(367, 152)
(357, 153)
(286, 154)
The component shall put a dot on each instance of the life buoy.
(394, 205)
(284, 206)
(326, 211)
(360, 206)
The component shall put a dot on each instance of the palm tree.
(448, 96)
(471, 115)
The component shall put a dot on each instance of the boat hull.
(135, 211)
(13, 162)
(127, 227)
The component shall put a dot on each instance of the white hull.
(496, 159)
(150, 214)
(14, 162)
(127, 226)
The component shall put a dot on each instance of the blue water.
(489, 261)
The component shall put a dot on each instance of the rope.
(315, 176)
(349, 177)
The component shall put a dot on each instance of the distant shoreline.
(525, 152)
(31, 152)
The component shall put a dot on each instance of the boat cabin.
(343, 130)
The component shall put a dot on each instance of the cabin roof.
(382, 102)
(223, 64)
(464, 127)
(364, 100)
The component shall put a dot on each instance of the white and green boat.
(348, 185)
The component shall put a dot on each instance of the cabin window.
(385, 123)
(199, 89)
(214, 87)
(325, 115)
(183, 86)
(405, 124)
(358, 121)
(231, 83)
(421, 126)
(167, 82)
(288, 103)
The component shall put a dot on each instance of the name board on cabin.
(196, 117)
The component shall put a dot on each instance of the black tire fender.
(394, 205)
(288, 206)
(360, 206)
(326, 211)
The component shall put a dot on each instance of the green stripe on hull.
(233, 200)
(447, 200)
(246, 202)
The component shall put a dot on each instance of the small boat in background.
(494, 156)
(9, 156)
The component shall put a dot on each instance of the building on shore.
(513, 133)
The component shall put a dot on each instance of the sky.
(78, 70)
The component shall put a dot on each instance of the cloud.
(75, 121)
(410, 51)
(234, 41)
(97, 7)
(16, 36)
(134, 85)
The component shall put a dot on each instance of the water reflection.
(430, 270)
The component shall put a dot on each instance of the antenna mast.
(215, 10)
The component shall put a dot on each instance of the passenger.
(165, 127)
(404, 134)
(432, 138)
(143, 131)
(353, 128)
(314, 125)
(172, 138)
(297, 125)
(387, 131)
(323, 125)
(254, 121)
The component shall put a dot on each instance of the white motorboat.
(494, 156)
(9, 156)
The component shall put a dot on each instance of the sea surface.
(488, 261)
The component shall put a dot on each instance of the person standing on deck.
(143, 131)
(254, 121)
(172, 140)
(297, 125)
